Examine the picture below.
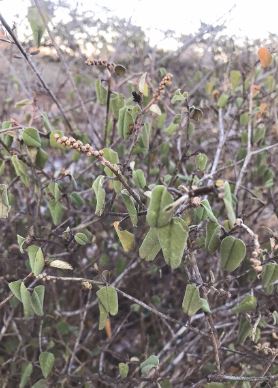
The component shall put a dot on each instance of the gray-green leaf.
(150, 363)
(31, 137)
(228, 201)
(37, 299)
(46, 360)
(232, 252)
(27, 370)
(26, 300)
(15, 288)
(108, 297)
(123, 369)
(36, 259)
(172, 239)
(4, 201)
(130, 205)
(100, 194)
(192, 302)
(157, 216)
(150, 246)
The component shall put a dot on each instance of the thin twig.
(67, 71)
(33, 67)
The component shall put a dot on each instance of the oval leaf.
(191, 301)
(156, 214)
(36, 259)
(26, 300)
(46, 360)
(150, 246)
(232, 252)
(172, 239)
(31, 137)
(108, 297)
(100, 194)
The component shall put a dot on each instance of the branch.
(33, 67)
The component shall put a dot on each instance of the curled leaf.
(126, 238)
(60, 264)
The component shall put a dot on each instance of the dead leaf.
(265, 57)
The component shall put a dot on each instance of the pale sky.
(246, 18)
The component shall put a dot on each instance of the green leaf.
(20, 170)
(41, 158)
(31, 137)
(191, 301)
(130, 205)
(112, 157)
(100, 194)
(144, 139)
(54, 191)
(46, 360)
(126, 238)
(139, 178)
(56, 211)
(157, 216)
(26, 372)
(101, 92)
(205, 306)
(213, 232)
(126, 121)
(108, 297)
(15, 288)
(36, 259)
(42, 383)
(209, 213)
(103, 316)
(117, 102)
(172, 239)
(4, 201)
(37, 299)
(179, 96)
(244, 330)
(201, 161)
(81, 238)
(150, 363)
(235, 78)
(269, 274)
(123, 369)
(249, 303)
(22, 103)
(76, 199)
(232, 252)
(228, 201)
(150, 246)
(223, 100)
(26, 300)
(46, 122)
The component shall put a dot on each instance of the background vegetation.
(138, 207)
